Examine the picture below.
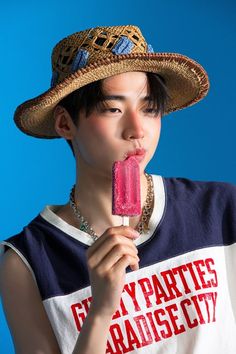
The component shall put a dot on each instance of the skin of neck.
(93, 195)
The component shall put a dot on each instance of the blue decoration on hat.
(150, 49)
(80, 60)
(54, 78)
(123, 46)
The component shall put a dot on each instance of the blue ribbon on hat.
(123, 46)
(150, 49)
(80, 60)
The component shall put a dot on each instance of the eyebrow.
(123, 98)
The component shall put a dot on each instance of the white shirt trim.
(48, 213)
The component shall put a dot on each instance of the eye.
(110, 110)
(114, 110)
(151, 111)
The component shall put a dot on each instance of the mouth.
(139, 154)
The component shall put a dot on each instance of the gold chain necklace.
(143, 223)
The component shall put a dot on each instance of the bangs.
(91, 96)
(158, 93)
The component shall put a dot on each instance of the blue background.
(198, 142)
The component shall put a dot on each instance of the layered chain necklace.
(142, 226)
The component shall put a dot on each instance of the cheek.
(155, 129)
(100, 129)
(94, 138)
(158, 129)
(103, 135)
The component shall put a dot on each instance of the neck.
(93, 195)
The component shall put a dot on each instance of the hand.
(107, 260)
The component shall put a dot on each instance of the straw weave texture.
(186, 80)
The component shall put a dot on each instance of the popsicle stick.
(125, 220)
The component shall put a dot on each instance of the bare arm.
(108, 259)
(28, 322)
(93, 336)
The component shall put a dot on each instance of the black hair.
(91, 96)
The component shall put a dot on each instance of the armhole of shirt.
(24, 260)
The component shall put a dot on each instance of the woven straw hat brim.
(186, 80)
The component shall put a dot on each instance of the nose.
(133, 128)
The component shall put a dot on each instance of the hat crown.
(89, 46)
(98, 53)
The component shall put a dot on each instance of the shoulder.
(18, 250)
(206, 199)
(209, 205)
(14, 275)
(185, 188)
(31, 236)
(25, 313)
(11, 260)
(12, 269)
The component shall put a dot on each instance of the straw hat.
(100, 52)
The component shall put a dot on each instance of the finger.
(113, 256)
(125, 231)
(124, 262)
(121, 245)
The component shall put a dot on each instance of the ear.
(64, 125)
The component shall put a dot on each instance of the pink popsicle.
(126, 188)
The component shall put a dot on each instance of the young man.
(84, 283)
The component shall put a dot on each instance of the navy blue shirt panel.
(197, 215)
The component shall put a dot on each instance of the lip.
(139, 154)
